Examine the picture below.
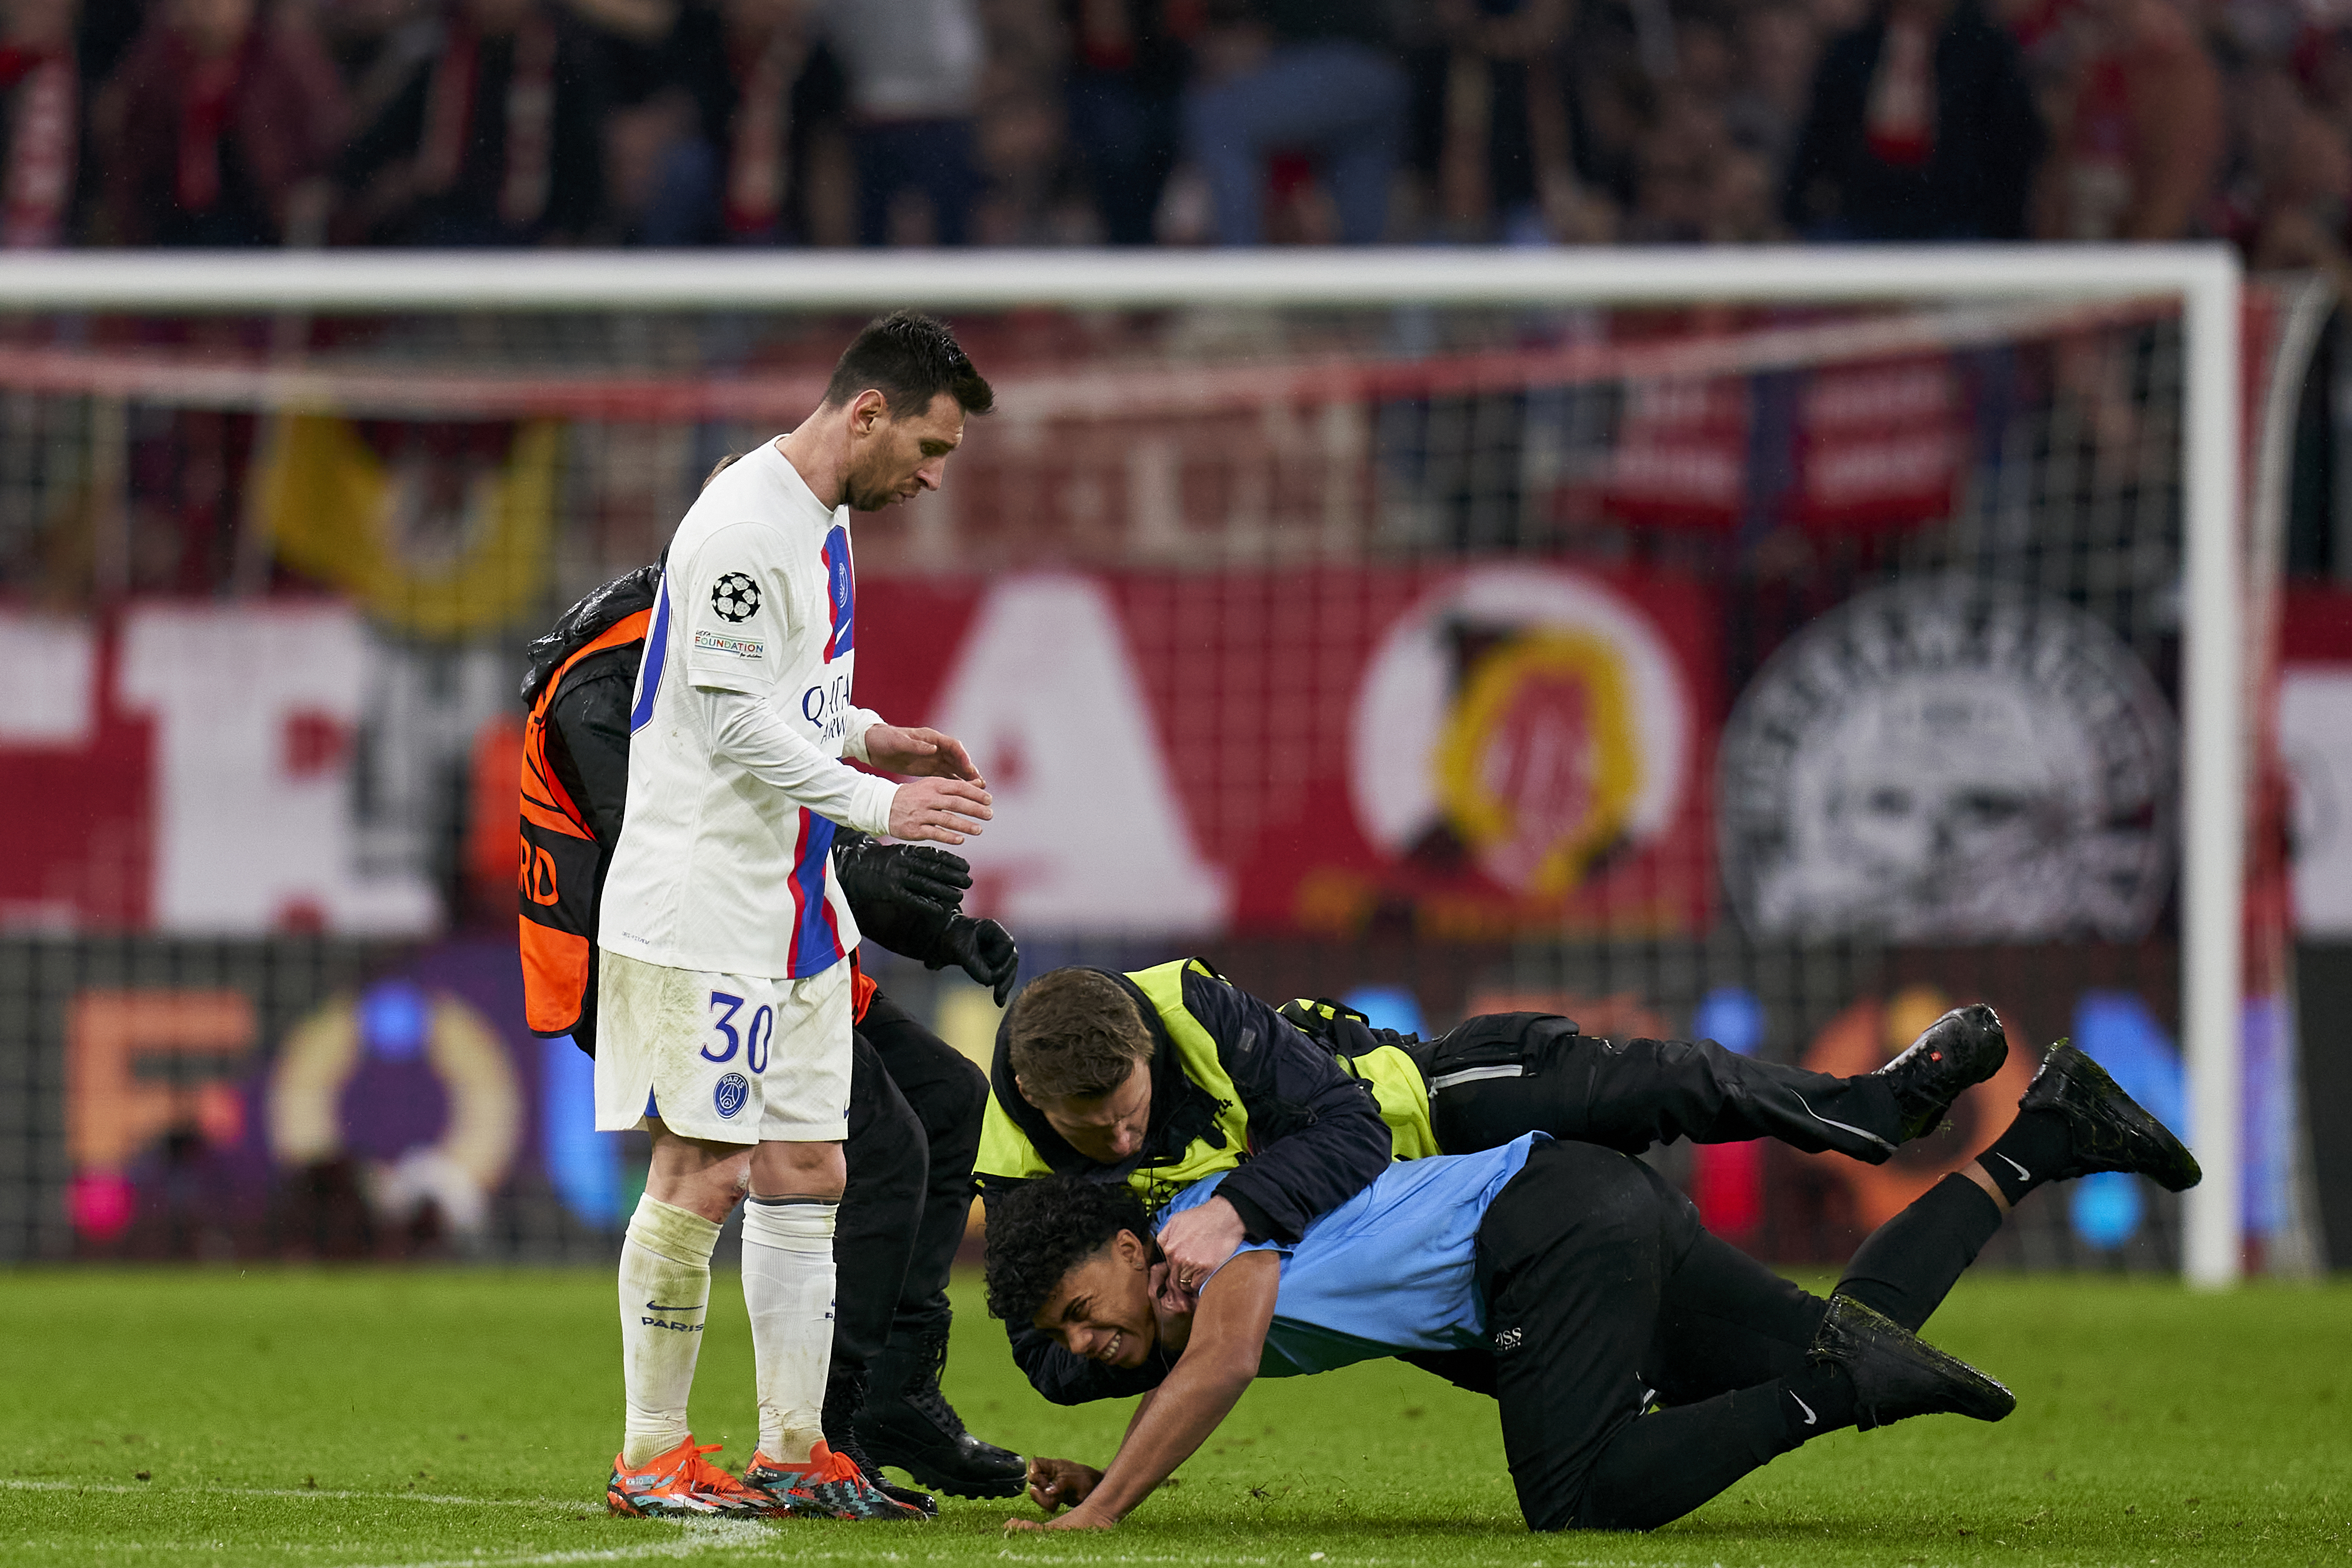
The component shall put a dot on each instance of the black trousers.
(1606, 1295)
(1499, 1075)
(915, 1106)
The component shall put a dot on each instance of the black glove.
(980, 949)
(874, 875)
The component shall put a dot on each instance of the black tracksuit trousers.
(1499, 1075)
(1605, 1295)
(915, 1106)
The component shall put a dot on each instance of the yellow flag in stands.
(446, 537)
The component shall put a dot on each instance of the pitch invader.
(724, 993)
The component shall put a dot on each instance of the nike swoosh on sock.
(1810, 1420)
(2022, 1174)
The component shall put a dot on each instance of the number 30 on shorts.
(752, 1041)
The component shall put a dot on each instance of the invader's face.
(1102, 1310)
(894, 459)
(1105, 1128)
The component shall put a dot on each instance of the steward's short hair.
(1076, 1032)
(1041, 1230)
(909, 359)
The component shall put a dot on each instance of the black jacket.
(1315, 1140)
(1980, 172)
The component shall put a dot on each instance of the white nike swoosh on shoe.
(1810, 1420)
(2022, 1174)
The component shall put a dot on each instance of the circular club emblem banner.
(1533, 716)
(1949, 760)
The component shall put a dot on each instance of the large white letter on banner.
(254, 711)
(1088, 834)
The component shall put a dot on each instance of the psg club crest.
(729, 1094)
(735, 597)
(1949, 760)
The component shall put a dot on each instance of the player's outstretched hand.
(925, 753)
(982, 949)
(1061, 1483)
(946, 811)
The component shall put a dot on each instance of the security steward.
(1163, 1077)
(914, 1103)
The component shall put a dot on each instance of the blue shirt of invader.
(1391, 1271)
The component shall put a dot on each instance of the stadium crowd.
(834, 123)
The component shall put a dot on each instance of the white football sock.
(788, 1286)
(665, 1286)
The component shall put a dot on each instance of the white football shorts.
(732, 1059)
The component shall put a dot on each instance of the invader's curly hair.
(1038, 1232)
(910, 358)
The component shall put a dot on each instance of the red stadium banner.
(1464, 752)
(1879, 446)
(1468, 752)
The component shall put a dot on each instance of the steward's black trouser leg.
(1581, 1259)
(881, 1208)
(1502, 1075)
(947, 1095)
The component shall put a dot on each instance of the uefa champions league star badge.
(735, 597)
(1949, 760)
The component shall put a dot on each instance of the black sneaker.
(844, 1394)
(908, 1423)
(1898, 1374)
(1955, 1052)
(2107, 1128)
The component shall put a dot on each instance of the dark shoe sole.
(2111, 1131)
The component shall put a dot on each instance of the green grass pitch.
(466, 1417)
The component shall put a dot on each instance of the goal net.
(1775, 650)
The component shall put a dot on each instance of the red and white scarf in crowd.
(756, 164)
(41, 145)
(530, 118)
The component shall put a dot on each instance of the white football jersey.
(716, 869)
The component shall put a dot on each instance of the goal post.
(2204, 280)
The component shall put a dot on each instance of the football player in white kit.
(725, 985)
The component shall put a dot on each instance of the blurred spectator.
(913, 68)
(224, 123)
(1922, 127)
(44, 112)
(2289, 207)
(740, 143)
(1493, 124)
(2138, 126)
(1778, 45)
(1124, 100)
(1299, 76)
(495, 139)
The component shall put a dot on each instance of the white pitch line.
(443, 1498)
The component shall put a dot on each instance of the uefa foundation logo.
(1949, 760)
(729, 1093)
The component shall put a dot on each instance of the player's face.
(1102, 1308)
(894, 460)
(1106, 1128)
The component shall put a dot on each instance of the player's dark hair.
(721, 466)
(909, 359)
(1039, 1231)
(1075, 1031)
